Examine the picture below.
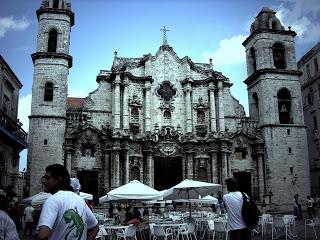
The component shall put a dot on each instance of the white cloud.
(24, 111)
(9, 23)
(230, 51)
(303, 17)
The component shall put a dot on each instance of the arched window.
(135, 173)
(55, 3)
(284, 106)
(253, 58)
(255, 105)
(278, 52)
(134, 115)
(274, 25)
(48, 92)
(201, 117)
(52, 41)
(167, 117)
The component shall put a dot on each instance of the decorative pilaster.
(69, 151)
(258, 153)
(150, 169)
(188, 109)
(214, 166)
(116, 166)
(126, 105)
(116, 115)
(106, 169)
(213, 121)
(224, 165)
(148, 107)
(189, 155)
(221, 109)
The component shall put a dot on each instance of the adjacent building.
(13, 139)
(310, 87)
(161, 118)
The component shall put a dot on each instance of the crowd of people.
(65, 214)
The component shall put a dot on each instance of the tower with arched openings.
(275, 101)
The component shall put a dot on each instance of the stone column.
(150, 169)
(116, 166)
(116, 115)
(126, 105)
(126, 167)
(188, 109)
(69, 152)
(214, 166)
(189, 155)
(258, 156)
(148, 107)
(106, 170)
(224, 166)
(213, 122)
(221, 109)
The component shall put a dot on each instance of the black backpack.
(250, 212)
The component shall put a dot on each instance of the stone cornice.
(67, 12)
(39, 55)
(258, 31)
(47, 116)
(260, 72)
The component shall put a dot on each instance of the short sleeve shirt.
(67, 216)
(8, 229)
(233, 204)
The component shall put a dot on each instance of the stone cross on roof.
(164, 30)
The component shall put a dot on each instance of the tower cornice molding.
(258, 31)
(39, 55)
(67, 12)
(260, 72)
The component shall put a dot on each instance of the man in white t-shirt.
(233, 205)
(64, 215)
(28, 219)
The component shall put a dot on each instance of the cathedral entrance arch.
(89, 183)
(167, 172)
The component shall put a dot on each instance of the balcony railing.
(13, 126)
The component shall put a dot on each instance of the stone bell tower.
(49, 89)
(275, 102)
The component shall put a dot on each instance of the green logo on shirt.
(74, 222)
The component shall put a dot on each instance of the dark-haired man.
(65, 214)
(233, 204)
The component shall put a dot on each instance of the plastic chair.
(220, 228)
(211, 230)
(279, 224)
(313, 223)
(187, 231)
(128, 233)
(160, 232)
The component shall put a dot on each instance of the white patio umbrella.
(86, 196)
(190, 189)
(133, 190)
(37, 197)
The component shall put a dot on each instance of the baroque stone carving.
(167, 149)
(166, 91)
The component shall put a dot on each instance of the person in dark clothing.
(16, 214)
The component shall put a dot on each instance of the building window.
(45, 142)
(289, 150)
(48, 92)
(284, 106)
(316, 66)
(52, 41)
(6, 103)
(315, 123)
(201, 117)
(274, 25)
(55, 3)
(134, 115)
(167, 117)
(278, 51)
(310, 97)
(253, 58)
(288, 131)
(255, 105)
(308, 71)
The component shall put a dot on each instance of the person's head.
(56, 178)
(232, 184)
(308, 197)
(145, 212)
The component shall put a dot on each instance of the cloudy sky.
(200, 29)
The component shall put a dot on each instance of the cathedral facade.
(161, 118)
